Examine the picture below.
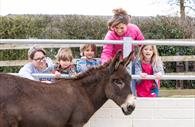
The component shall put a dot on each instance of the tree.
(185, 6)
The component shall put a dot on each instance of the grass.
(177, 93)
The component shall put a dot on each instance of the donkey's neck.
(94, 85)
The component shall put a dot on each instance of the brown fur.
(66, 103)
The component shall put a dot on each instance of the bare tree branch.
(190, 7)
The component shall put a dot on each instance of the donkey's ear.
(128, 59)
(115, 62)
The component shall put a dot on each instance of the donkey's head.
(118, 89)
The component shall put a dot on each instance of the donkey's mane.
(92, 70)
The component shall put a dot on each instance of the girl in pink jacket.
(119, 27)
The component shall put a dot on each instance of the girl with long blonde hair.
(148, 63)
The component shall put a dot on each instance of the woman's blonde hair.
(64, 54)
(120, 16)
(155, 57)
(84, 47)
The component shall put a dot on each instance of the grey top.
(28, 69)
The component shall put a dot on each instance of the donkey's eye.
(117, 81)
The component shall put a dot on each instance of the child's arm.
(57, 74)
(73, 71)
(159, 70)
(158, 75)
(138, 70)
(77, 66)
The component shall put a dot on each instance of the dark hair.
(33, 50)
(120, 16)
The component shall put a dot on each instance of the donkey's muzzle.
(128, 110)
(129, 106)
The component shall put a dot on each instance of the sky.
(86, 7)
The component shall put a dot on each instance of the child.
(87, 60)
(64, 63)
(148, 63)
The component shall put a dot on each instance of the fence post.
(179, 68)
(127, 48)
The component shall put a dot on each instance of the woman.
(38, 63)
(119, 27)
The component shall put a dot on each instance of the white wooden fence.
(149, 112)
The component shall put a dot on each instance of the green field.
(177, 93)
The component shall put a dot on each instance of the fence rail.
(27, 46)
(164, 77)
(67, 41)
(164, 59)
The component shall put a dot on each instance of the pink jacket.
(109, 50)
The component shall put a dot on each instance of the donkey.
(67, 102)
